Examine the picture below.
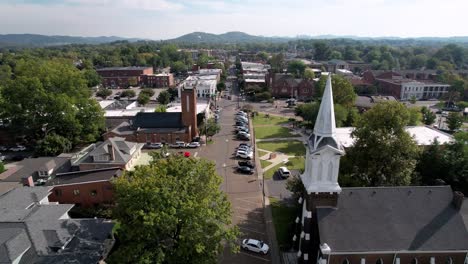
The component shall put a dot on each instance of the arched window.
(379, 261)
(414, 261)
(345, 261)
(449, 260)
(330, 171)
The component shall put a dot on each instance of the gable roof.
(28, 167)
(40, 229)
(158, 120)
(77, 177)
(393, 219)
(122, 151)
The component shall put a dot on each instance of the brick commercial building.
(374, 225)
(285, 85)
(160, 80)
(162, 127)
(85, 188)
(122, 77)
(394, 84)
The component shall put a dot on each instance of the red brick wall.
(104, 194)
(189, 114)
(388, 88)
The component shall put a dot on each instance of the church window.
(345, 261)
(330, 171)
(379, 261)
(319, 174)
(414, 261)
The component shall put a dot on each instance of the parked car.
(241, 118)
(3, 148)
(284, 172)
(244, 148)
(241, 123)
(177, 144)
(245, 130)
(245, 144)
(244, 133)
(244, 155)
(247, 163)
(254, 245)
(245, 170)
(154, 145)
(193, 145)
(18, 148)
(243, 137)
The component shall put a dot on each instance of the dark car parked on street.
(245, 170)
(247, 163)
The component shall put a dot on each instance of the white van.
(284, 172)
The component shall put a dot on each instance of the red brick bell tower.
(189, 110)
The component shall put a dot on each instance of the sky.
(165, 19)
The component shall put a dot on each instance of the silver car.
(254, 245)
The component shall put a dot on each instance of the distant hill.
(241, 37)
(35, 40)
(229, 37)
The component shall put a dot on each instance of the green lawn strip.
(272, 132)
(288, 147)
(296, 163)
(264, 163)
(262, 153)
(272, 120)
(283, 219)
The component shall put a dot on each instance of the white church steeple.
(324, 150)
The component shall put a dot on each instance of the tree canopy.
(164, 98)
(343, 91)
(172, 211)
(383, 153)
(50, 95)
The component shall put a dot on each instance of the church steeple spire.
(325, 122)
(324, 150)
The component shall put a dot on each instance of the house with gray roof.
(34, 230)
(114, 152)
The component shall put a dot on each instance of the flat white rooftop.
(105, 103)
(423, 135)
(176, 107)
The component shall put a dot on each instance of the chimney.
(189, 110)
(458, 198)
(110, 149)
(28, 181)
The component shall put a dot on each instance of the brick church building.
(373, 225)
(147, 127)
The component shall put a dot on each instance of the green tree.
(143, 99)
(172, 211)
(221, 87)
(343, 91)
(132, 81)
(53, 145)
(209, 128)
(173, 92)
(322, 51)
(128, 93)
(103, 93)
(297, 68)
(178, 67)
(2, 167)
(296, 187)
(50, 93)
(336, 55)
(415, 116)
(428, 117)
(147, 91)
(164, 98)
(92, 77)
(383, 153)
(309, 74)
(413, 99)
(160, 109)
(277, 62)
(454, 121)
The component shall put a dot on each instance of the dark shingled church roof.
(158, 120)
(392, 219)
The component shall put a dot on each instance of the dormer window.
(101, 158)
(43, 173)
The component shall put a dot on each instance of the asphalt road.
(244, 191)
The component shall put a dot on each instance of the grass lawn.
(264, 163)
(262, 153)
(283, 219)
(296, 163)
(272, 120)
(263, 132)
(288, 147)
